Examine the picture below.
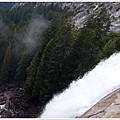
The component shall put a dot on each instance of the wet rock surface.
(13, 103)
(108, 107)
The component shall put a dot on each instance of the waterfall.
(83, 93)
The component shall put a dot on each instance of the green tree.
(4, 45)
(31, 74)
(22, 67)
(88, 44)
(48, 34)
(49, 74)
(112, 46)
(5, 70)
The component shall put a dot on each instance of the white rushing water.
(86, 92)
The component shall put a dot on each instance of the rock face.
(83, 10)
(108, 107)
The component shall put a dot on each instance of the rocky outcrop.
(13, 103)
(84, 10)
(108, 107)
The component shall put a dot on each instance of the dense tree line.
(62, 54)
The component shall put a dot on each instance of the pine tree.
(49, 74)
(5, 70)
(22, 67)
(48, 34)
(31, 74)
(4, 44)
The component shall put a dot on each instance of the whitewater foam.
(86, 92)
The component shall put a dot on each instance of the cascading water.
(86, 92)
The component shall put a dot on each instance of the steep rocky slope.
(108, 107)
(82, 11)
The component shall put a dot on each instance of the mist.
(33, 33)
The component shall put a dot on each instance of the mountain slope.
(82, 11)
(51, 52)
